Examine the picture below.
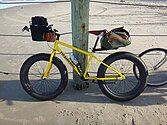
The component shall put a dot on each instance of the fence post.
(80, 25)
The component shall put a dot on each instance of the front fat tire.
(133, 93)
(25, 82)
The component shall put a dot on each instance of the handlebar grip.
(55, 30)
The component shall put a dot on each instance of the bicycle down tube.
(117, 76)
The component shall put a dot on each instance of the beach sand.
(90, 106)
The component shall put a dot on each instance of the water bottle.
(75, 61)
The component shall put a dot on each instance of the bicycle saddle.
(97, 32)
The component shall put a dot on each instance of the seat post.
(97, 39)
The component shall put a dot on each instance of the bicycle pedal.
(94, 81)
(81, 86)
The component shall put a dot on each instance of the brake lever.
(50, 26)
(25, 28)
(55, 30)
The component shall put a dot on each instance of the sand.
(90, 106)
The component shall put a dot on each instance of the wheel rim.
(125, 86)
(42, 86)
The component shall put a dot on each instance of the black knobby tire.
(156, 77)
(136, 86)
(31, 77)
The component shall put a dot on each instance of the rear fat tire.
(137, 90)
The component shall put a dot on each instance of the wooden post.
(80, 25)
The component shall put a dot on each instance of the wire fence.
(93, 1)
(63, 1)
(135, 35)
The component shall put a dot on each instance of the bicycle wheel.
(31, 77)
(156, 62)
(130, 87)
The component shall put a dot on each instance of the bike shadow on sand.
(11, 91)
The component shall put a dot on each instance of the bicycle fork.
(49, 65)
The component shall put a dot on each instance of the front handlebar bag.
(39, 27)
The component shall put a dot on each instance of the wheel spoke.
(31, 77)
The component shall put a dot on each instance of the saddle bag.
(115, 38)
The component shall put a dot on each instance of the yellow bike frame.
(117, 76)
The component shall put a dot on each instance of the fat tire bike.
(45, 76)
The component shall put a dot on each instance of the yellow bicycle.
(44, 76)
